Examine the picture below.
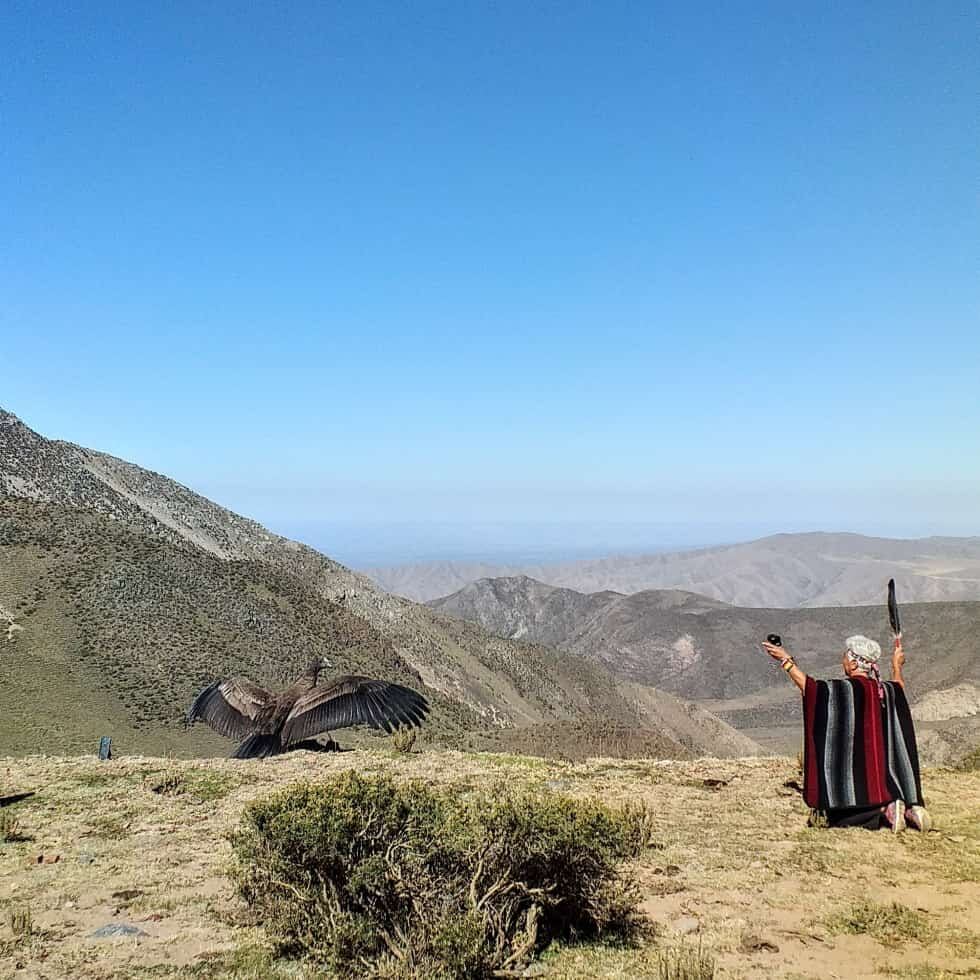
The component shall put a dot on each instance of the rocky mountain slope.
(699, 648)
(782, 571)
(124, 591)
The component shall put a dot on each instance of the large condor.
(269, 724)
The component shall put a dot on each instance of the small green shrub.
(172, 783)
(95, 780)
(971, 761)
(889, 924)
(208, 785)
(199, 785)
(243, 963)
(108, 825)
(372, 878)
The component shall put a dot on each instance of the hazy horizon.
(363, 541)
(369, 546)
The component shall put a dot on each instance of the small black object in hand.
(775, 639)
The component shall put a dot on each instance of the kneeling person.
(860, 760)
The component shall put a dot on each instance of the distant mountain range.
(123, 592)
(783, 571)
(705, 650)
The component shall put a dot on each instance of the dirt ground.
(735, 873)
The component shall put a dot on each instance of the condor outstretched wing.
(229, 706)
(353, 700)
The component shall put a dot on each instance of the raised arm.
(787, 663)
(898, 662)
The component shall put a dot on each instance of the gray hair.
(862, 650)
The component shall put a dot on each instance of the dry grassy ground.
(735, 870)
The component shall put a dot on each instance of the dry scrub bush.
(372, 878)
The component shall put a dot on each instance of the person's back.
(861, 764)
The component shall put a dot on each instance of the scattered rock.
(85, 857)
(685, 925)
(665, 886)
(45, 859)
(670, 870)
(536, 970)
(128, 894)
(714, 783)
(559, 786)
(753, 944)
(116, 929)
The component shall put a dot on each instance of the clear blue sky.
(713, 264)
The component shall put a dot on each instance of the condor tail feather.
(258, 746)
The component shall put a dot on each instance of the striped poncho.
(859, 748)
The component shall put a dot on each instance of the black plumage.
(269, 724)
(896, 623)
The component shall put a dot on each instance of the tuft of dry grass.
(685, 963)
(404, 739)
(10, 831)
(21, 922)
(638, 817)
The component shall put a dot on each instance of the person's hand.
(777, 653)
(898, 657)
